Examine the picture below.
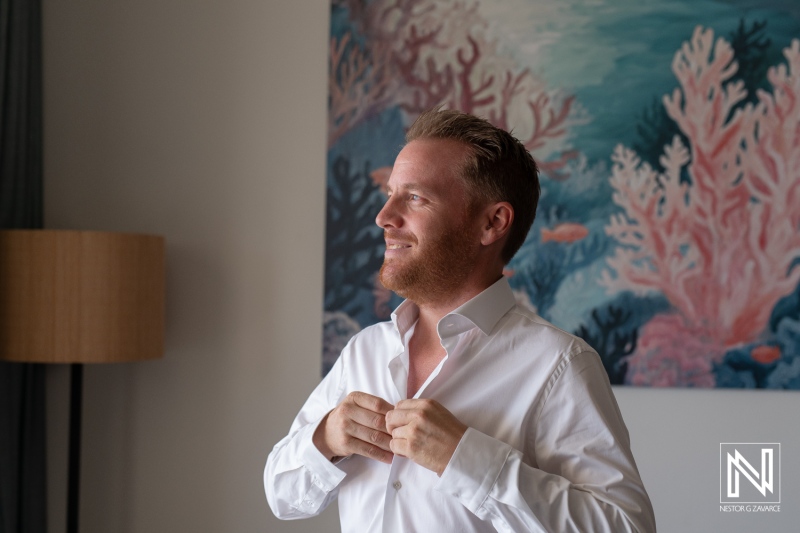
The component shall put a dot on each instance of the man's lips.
(395, 241)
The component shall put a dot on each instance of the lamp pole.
(74, 470)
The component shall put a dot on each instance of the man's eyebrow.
(406, 187)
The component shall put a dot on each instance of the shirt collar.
(484, 311)
(405, 316)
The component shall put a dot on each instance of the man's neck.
(431, 312)
(425, 350)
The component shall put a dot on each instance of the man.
(466, 412)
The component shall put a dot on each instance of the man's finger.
(413, 403)
(371, 403)
(402, 432)
(372, 436)
(372, 452)
(399, 447)
(364, 417)
(398, 417)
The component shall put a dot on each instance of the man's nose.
(388, 215)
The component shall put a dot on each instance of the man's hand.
(357, 425)
(425, 432)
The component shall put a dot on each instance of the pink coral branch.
(721, 249)
(440, 53)
(549, 128)
(512, 87)
(473, 98)
(360, 85)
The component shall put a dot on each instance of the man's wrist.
(318, 439)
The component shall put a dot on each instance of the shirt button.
(397, 485)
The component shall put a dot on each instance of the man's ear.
(497, 218)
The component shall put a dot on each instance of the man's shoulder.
(527, 323)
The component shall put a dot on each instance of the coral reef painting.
(668, 137)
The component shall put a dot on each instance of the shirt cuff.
(325, 476)
(474, 468)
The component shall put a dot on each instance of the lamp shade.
(81, 296)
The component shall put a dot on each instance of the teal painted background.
(668, 133)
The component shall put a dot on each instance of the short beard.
(439, 272)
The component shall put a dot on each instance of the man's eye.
(414, 197)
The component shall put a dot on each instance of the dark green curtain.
(22, 413)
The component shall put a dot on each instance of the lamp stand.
(75, 297)
(74, 471)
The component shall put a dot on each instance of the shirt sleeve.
(579, 476)
(299, 480)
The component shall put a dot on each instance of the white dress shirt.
(546, 448)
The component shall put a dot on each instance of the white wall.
(204, 121)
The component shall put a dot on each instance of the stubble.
(438, 271)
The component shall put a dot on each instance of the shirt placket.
(398, 370)
(395, 495)
(399, 495)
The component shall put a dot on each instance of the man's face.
(431, 234)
